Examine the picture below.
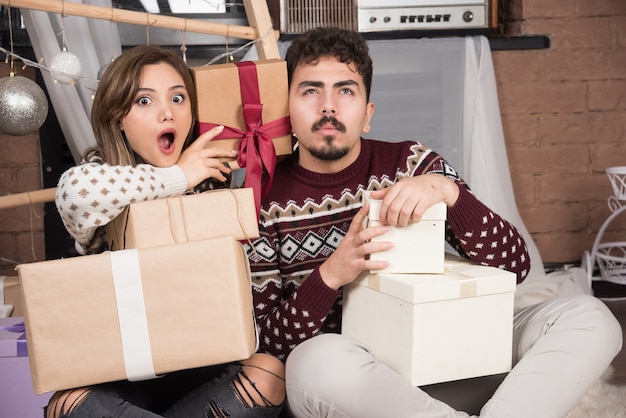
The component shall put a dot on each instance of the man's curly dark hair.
(345, 45)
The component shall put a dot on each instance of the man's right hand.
(351, 257)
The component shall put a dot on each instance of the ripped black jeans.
(207, 392)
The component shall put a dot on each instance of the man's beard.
(329, 152)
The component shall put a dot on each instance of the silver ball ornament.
(65, 67)
(23, 106)
(102, 70)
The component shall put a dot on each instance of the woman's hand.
(351, 256)
(406, 201)
(199, 163)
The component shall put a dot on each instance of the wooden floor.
(618, 307)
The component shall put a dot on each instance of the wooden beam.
(259, 16)
(27, 198)
(155, 20)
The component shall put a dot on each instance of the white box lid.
(460, 279)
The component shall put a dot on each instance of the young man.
(312, 243)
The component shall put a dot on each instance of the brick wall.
(564, 119)
(21, 228)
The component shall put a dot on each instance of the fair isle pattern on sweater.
(305, 216)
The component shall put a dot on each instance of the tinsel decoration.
(23, 105)
(65, 67)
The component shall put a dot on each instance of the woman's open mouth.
(166, 141)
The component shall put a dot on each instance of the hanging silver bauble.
(102, 70)
(23, 106)
(65, 67)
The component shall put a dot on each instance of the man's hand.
(350, 258)
(406, 201)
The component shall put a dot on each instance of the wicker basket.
(611, 259)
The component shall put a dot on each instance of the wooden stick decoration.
(27, 198)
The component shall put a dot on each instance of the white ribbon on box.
(131, 311)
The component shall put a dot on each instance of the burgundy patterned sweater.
(305, 215)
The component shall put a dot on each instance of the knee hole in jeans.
(259, 382)
(63, 403)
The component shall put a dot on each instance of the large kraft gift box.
(251, 100)
(418, 247)
(176, 219)
(17, 399)
(133, 314)
(434, 328)
(11, 296)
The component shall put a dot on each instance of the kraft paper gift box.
(17, 398)
(418, 247)
(176, 219)
(11, 296)
(250, 99)
(133, 314)
(433, 328)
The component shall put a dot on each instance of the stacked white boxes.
(434, 325)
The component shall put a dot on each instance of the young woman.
(143, 117)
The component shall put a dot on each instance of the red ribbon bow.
(256, 150)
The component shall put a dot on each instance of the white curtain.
(485, 162)
(95, 42)
(442, 92)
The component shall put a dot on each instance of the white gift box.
(433, 328)
(418, 247)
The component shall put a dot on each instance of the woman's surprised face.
(160, 117)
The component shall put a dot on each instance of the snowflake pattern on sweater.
(305, 215)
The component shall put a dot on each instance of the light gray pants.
(560, 348)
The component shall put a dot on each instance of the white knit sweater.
(90, 195)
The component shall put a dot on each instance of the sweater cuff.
(467, 213)
(174, 180)
(315, 296)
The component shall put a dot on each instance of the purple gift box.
(17, 398)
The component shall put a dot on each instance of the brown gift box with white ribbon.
(433, 328)
(176, 219)
(133, 314)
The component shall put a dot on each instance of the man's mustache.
(328, 119)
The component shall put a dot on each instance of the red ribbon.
(256, 150)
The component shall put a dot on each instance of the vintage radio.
(297, 16)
